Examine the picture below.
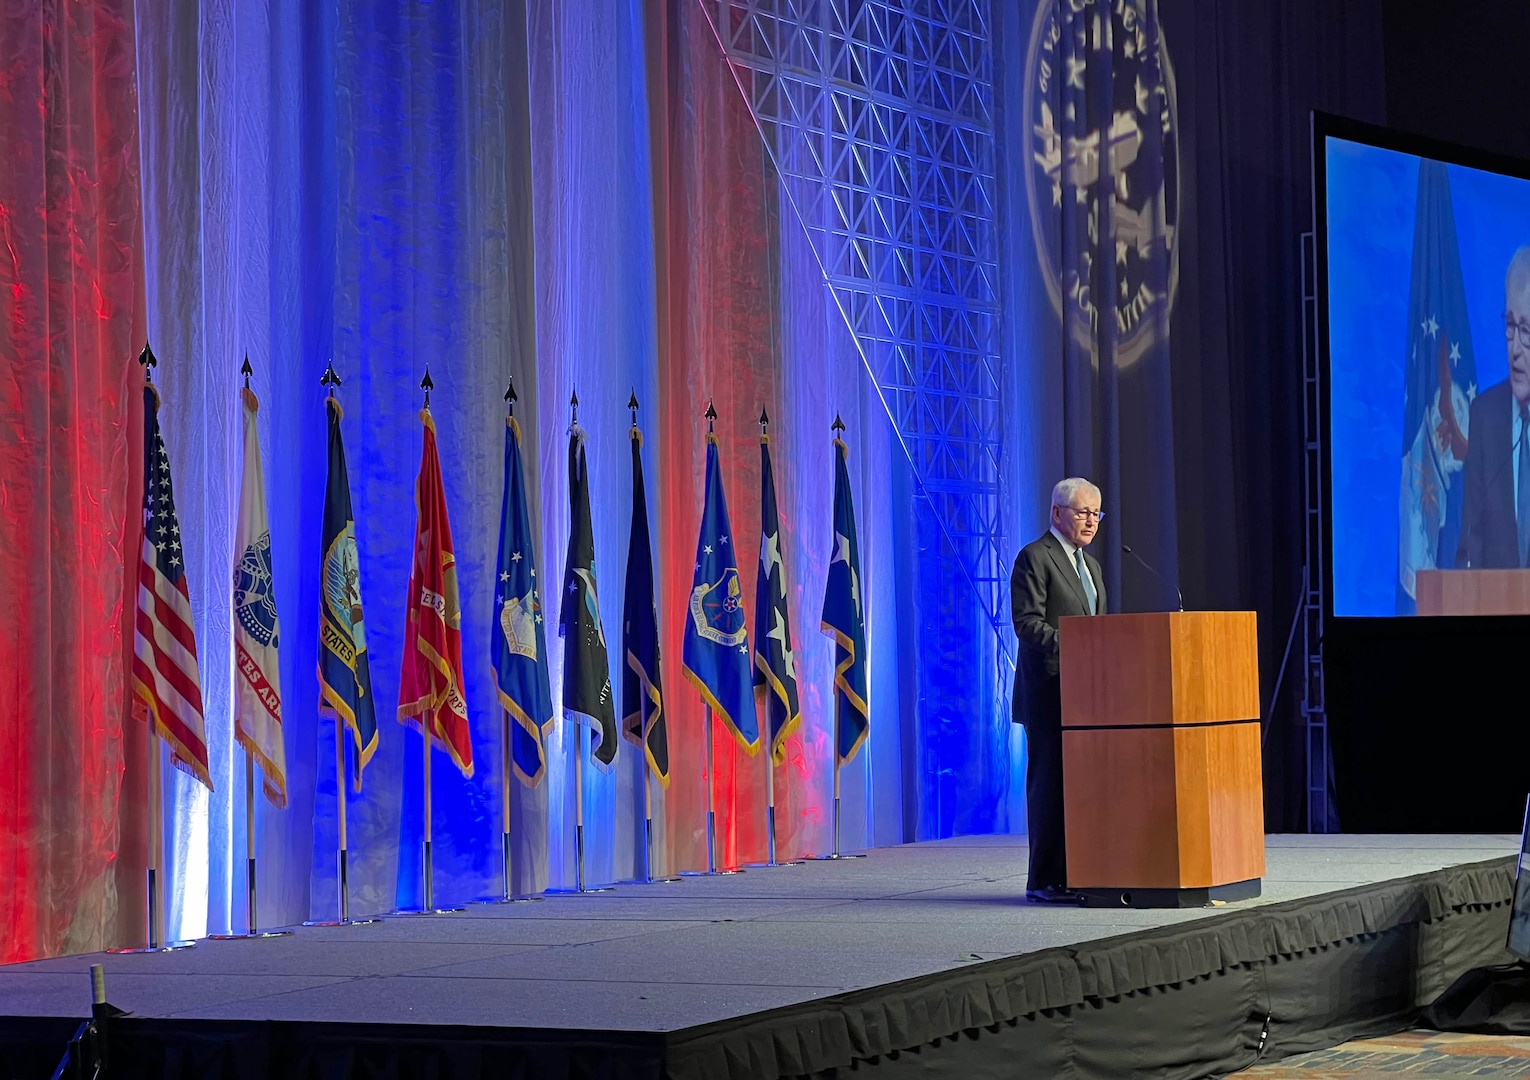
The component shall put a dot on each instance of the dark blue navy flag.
(716, 652)
(844, 619)
(1439, 384)
(587, 696)
(642, 693)
(519, 646)
(775, 668)
(345, 675)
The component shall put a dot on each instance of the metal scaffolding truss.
(879, 116)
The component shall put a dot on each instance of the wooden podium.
(1473, 592)
(1162, 787)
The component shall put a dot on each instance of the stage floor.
(662, 958)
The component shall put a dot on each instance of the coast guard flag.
(430, 685)
(1439, 384)
(257, 687)
(642, 696)
(345, 676)
(165, 677)
(716, 651)
(519, 648)
(587, 696)
(844, 619)
(775, 668)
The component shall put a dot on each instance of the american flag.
(164, 647)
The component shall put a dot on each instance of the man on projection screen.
(1495, 509)
(1053, 576)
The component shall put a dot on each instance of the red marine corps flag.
(165, 678)
(431, 684)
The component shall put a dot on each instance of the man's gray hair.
(1518, 273)
(1063, 493)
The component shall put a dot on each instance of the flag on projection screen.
(775, 667)
(587, 696)
(257, 680)
(716, 644)
(518, 649)
(643, 719)
(430, 685)
(844, 619)
(345, 674)
(1439, 382)
(165, 677)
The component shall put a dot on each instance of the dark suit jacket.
(1489, 533)
(1043, 587)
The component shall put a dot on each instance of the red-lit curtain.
(71, 300)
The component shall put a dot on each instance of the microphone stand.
(1127, 548)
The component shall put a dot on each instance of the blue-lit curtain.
(345, 181)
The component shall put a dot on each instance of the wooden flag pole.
(836, 854)
(712, 869)
(580, 888)
(342, 844)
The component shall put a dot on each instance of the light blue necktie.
(1094, 597)
(1522, 487)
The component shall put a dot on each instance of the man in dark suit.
(1495, 510)
(1053, 576)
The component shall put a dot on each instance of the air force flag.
(716, 652)
(519, 646)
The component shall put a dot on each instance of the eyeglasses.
(1096, 515)
(1514, 330)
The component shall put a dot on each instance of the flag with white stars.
(519, 646)
(716, 652)
(1440, 382)
(775, 666)
(430, 689)
(643, 719)
(844, 619)
(587, 695)
(165, 677)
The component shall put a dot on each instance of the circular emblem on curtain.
(254, 596)
(1102, 182)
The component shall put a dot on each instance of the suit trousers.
(1044, 792)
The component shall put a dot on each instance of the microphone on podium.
(1181, 596)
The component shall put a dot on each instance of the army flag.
(587, 696)
(775, 668)
(165, 677)
(716, 647)
(345, 676)
(519, 644)
(643, 719)
(844, 619)
(430, 685)
(257, 686)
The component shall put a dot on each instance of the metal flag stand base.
(156, 844)
(427, 866)
(580, 888)
(770, 818)
(648, 878)
(505, 896)
(341, 853)
(711, 870)
(249, 863)
(836, 853)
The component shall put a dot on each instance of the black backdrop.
(1428, 733)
